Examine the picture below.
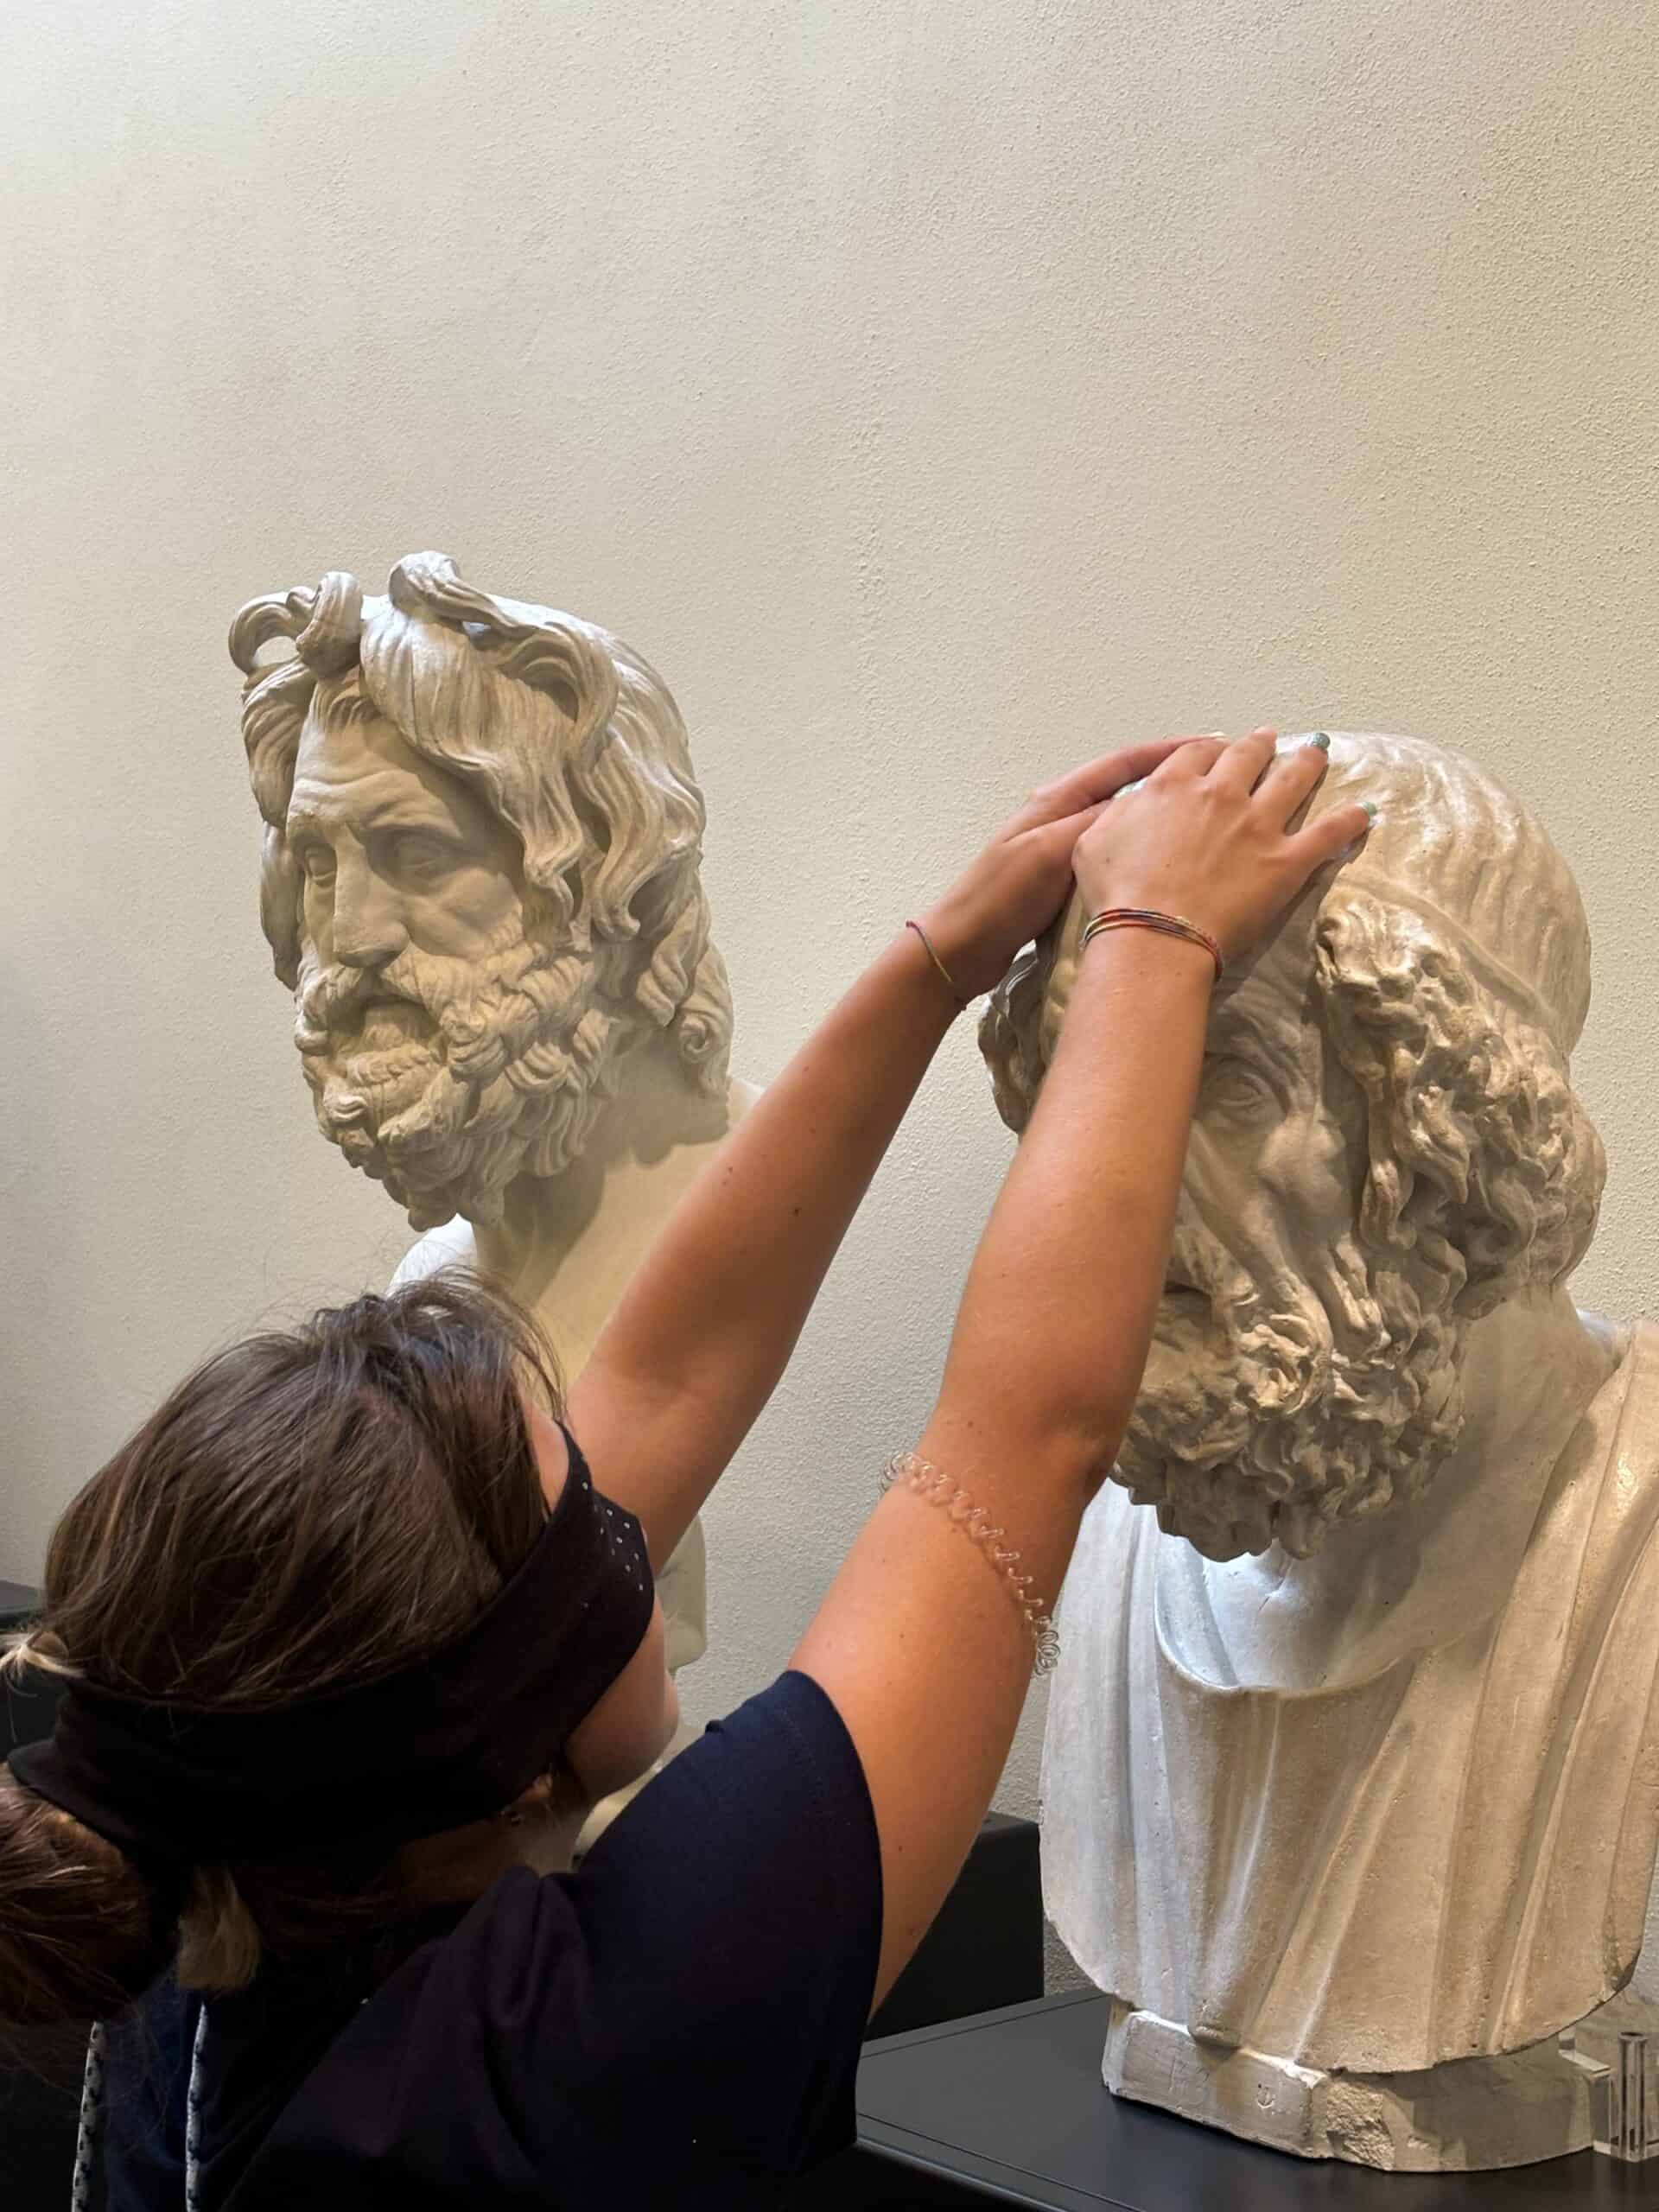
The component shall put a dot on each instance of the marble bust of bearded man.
(1353, 1753)
(481, 880)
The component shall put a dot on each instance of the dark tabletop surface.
(1013, 2102)
(16, 1596)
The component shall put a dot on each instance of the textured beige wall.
(933, 392)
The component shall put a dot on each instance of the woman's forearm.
(706, 1327)
(1059, 1306)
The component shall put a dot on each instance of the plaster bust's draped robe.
(1389, 1874)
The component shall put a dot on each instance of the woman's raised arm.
(703, 1332)
(920, 1642)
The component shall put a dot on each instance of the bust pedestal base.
(1010, 2110)
(1465, 2116)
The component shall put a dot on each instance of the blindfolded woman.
(360, 1624)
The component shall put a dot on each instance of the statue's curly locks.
(1454, 1004)
(571, 737)
(1481, 1161)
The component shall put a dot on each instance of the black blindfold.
(448, 1737)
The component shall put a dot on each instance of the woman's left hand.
(1018, 883)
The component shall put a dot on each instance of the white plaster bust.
(481, 880)
(1351, 1775)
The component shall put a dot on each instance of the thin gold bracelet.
(949, 980)
(932, 1484)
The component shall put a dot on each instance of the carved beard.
(1268, 1414)
(446, 1079)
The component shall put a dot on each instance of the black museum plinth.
(1008, 2108)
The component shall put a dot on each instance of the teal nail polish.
(1369, 805)
(1320, 742)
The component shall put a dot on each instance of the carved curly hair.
(573, 739)
(1455, 1019)
(1481, 1159)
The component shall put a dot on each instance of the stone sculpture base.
(1465, 2116)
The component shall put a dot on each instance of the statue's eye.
(421, 857)
(1234, 1087)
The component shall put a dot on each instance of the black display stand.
(1010, 2109)
(985, 1948)
(17, 1603)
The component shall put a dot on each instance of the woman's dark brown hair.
(309, 1509)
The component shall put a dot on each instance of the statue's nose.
(369, 927)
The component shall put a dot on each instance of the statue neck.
(1424, 1573)
(567, 1244)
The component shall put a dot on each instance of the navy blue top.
(676, 2024)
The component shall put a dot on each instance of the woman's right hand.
(1206, 836)
(1013, 889)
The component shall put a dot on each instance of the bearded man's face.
(1295, 1378)
(446, 1047)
